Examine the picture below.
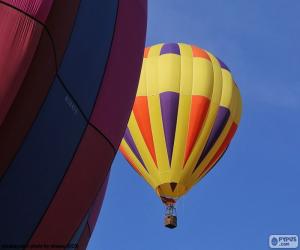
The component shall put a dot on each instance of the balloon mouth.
(171, 190)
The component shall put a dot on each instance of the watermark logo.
(71, 104)
(283, 241)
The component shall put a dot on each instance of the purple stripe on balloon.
(223, 65)
(169, 108)
(220, 122)
(170, 48)
(129, 140)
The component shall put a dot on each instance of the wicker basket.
(171, 221)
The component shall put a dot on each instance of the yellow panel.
(186, 77)
(203, 75)
(152, 76)
(185, 50)
(154, 50)
(228, 88)
(184, 108)
(169, 69)
(159, 138)
(142, 88)
(208, 124)
(237, 117)
(180, 137)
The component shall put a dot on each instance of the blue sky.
(254, 191)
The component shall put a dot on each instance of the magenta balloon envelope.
(68, 76)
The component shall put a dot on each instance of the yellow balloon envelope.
(185, 114)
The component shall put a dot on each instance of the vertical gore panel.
(129, 140)
(117, 93)
(169, 109)
(199, 108)
(37, 81)
(27, 103)
(60, 24)
(142, 116)
(220, 122)
(85, 176)
(85, 60)
(19, 37)
(32, 179)
(170, 48)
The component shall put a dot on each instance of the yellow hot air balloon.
(185, 114)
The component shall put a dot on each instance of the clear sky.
(254, 191)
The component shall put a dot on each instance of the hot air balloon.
(185, 114)
(68, 78)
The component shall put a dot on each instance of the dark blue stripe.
(223, 65)
(129, 140)
(34, 176)
(220, 123)
(84, 62)
(169, 110)
(170, 48)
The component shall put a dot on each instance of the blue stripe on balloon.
(129, 140)
(169, 109)
(170, 48)
(39, 167)
(220, 122)
(223, 65)
(85, 59)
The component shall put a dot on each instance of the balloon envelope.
(185, 114)
(68, 77)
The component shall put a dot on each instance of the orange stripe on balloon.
(222, 148)
(197, 52)
(141, 113)
(123, 151)
(199, 108)
(146, 52)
